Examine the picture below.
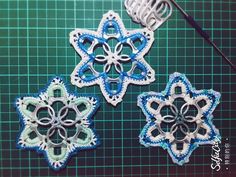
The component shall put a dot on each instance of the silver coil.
(150, 13)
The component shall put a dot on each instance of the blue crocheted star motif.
(179, 119)
(56, 123)
(112, 57)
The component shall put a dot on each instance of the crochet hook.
(199, 29)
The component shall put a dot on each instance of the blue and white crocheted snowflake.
(112, 68)
(179, 119)
(56, 123)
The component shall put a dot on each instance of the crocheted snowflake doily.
(112, 68)
(56, 123)
(179, 119)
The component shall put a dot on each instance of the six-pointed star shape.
(112, 68)
(57, 123)
(179, 119)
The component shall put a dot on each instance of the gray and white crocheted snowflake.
(179, 119)
(56, 123)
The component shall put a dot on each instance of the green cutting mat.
(34, 47)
